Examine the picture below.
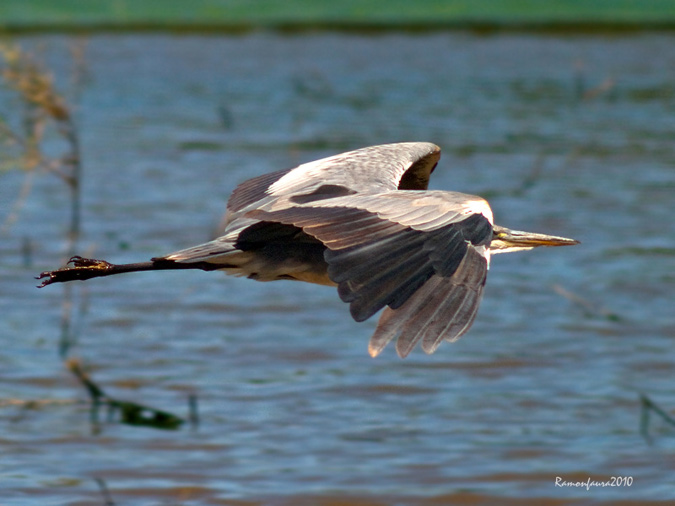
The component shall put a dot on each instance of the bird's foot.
(82, 268)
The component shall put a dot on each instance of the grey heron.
(365, 222)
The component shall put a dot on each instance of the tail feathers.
(208, 252)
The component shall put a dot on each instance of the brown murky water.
(568, 135)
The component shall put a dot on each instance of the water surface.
(567, 135)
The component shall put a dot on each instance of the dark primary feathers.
(363, 221)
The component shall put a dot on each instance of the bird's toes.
(77, 268)
(87, 263)
(45, 274)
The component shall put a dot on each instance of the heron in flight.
(365, 222)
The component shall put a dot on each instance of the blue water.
(568, 135)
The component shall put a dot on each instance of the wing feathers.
(419, 255)
(368, 293)
(431, 280)
(442, 309)
(397, 323)
(253, 190)
(457, 314)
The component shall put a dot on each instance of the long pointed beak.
(505, 240)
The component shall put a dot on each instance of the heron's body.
(362, 221)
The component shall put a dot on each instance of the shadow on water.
(570, 135)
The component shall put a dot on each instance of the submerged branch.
(648, 405)
(107, 497)
(130, 413)
(586, 305)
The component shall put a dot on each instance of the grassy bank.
(228, 15)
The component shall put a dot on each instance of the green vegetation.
(18, 15)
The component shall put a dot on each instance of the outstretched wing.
(404, 166)
(423, 255)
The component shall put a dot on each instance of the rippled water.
(571, 135)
